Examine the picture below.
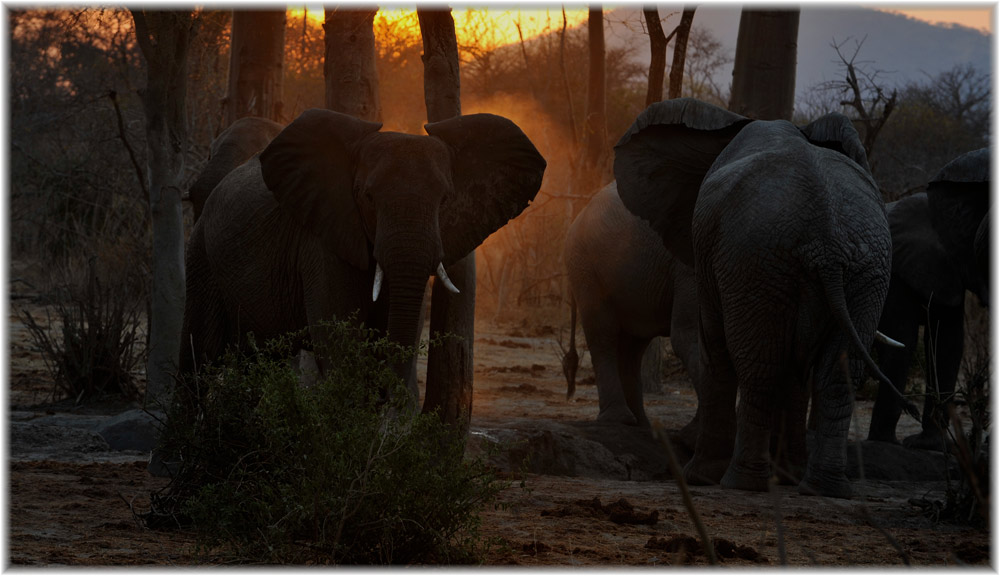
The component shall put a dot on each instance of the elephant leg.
(716, 414)
(944, 343)
(788, 439)
(630, 353)
(760, 384)
(901, 318)
(825, 470)
(603, 336)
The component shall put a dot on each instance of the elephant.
(337, 219)
(628, 290)
(234, 146)
(937, 254)
(787, 234)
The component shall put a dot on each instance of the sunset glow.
(980, 18)
(498, 25)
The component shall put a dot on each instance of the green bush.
(343, 471)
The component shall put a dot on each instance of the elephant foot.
(928, 440)
(704, 472)
(832, 487)
(740, 478)
(618, 415)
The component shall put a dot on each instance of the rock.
(132, 430)
(31, 441)
(592, 450)
(887, 461)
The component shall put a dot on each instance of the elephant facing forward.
(931, 272)
(334, 217)
(628, 290)
(787, 234)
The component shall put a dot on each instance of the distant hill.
(903, 49)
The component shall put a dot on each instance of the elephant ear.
(918, 258)
(836, 132)
(496, 172)
(309, 168)
(958, 199)
(662, 159)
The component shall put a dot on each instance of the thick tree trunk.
(163, 38)
(449, 366)
(349, 67)
(764, 68)
(442, 88)
(657, 55)
(256, 65)
(680, 53)
(595, 128)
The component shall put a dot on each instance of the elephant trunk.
(407, 283)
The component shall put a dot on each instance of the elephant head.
(958, 200)
(409, 205)
(661, 160)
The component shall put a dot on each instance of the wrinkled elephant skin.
(787, 234)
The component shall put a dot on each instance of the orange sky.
(535, 19)
(979, 17)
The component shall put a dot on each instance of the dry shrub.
(93, 341)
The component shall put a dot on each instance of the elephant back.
(958, 199)
(246, 231)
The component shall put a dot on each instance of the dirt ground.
(593, 495)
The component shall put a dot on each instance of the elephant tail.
(834, 288)
(570, 359)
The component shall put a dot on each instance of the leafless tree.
(595, 125)
(256, 65)
(449, 365)
(764, 69)
(863, 93)
(349, 65)
(164, 38)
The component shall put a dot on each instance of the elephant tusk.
(377, 287)
(888, 341)
(444, 278)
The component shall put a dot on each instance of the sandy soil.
(593, 495)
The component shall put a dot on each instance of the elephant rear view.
(234, 146)
(628, 290)
(787, 234)
(336, 218)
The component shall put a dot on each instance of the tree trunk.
(163, 38)
(764, 68)
(657, 55)
(595, 127)
(349, 65)
(256, 65)
(683, 30)
(449, 366)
